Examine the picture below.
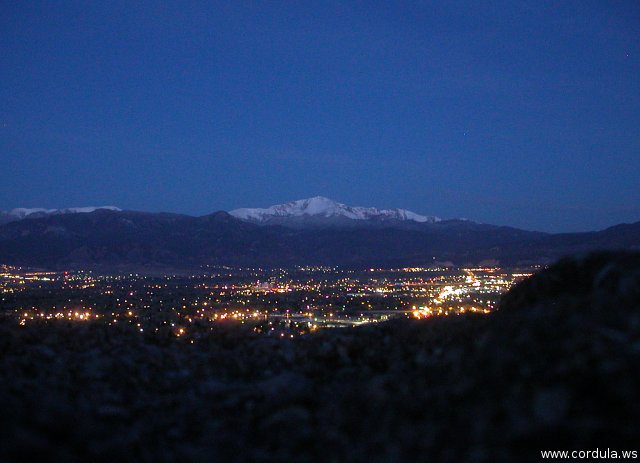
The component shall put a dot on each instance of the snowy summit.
(321, 207)
(23, 213)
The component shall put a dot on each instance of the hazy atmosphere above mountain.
(521, 113)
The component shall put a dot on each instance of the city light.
(273, 302)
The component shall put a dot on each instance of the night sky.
(518, 113)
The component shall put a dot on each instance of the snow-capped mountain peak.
(20, 213)
(321, 207)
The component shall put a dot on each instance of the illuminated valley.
(273, 302)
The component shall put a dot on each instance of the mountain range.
(314, 231)
(33, 213)
(321, 211)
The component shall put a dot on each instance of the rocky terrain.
(558, 367)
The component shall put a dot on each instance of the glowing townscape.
(275, 302)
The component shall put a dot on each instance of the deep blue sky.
(519, 113)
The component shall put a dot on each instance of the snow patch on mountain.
(320, 206)
(23, 213)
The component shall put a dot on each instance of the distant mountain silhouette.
(125, 238)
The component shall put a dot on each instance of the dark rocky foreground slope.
(556, 368)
